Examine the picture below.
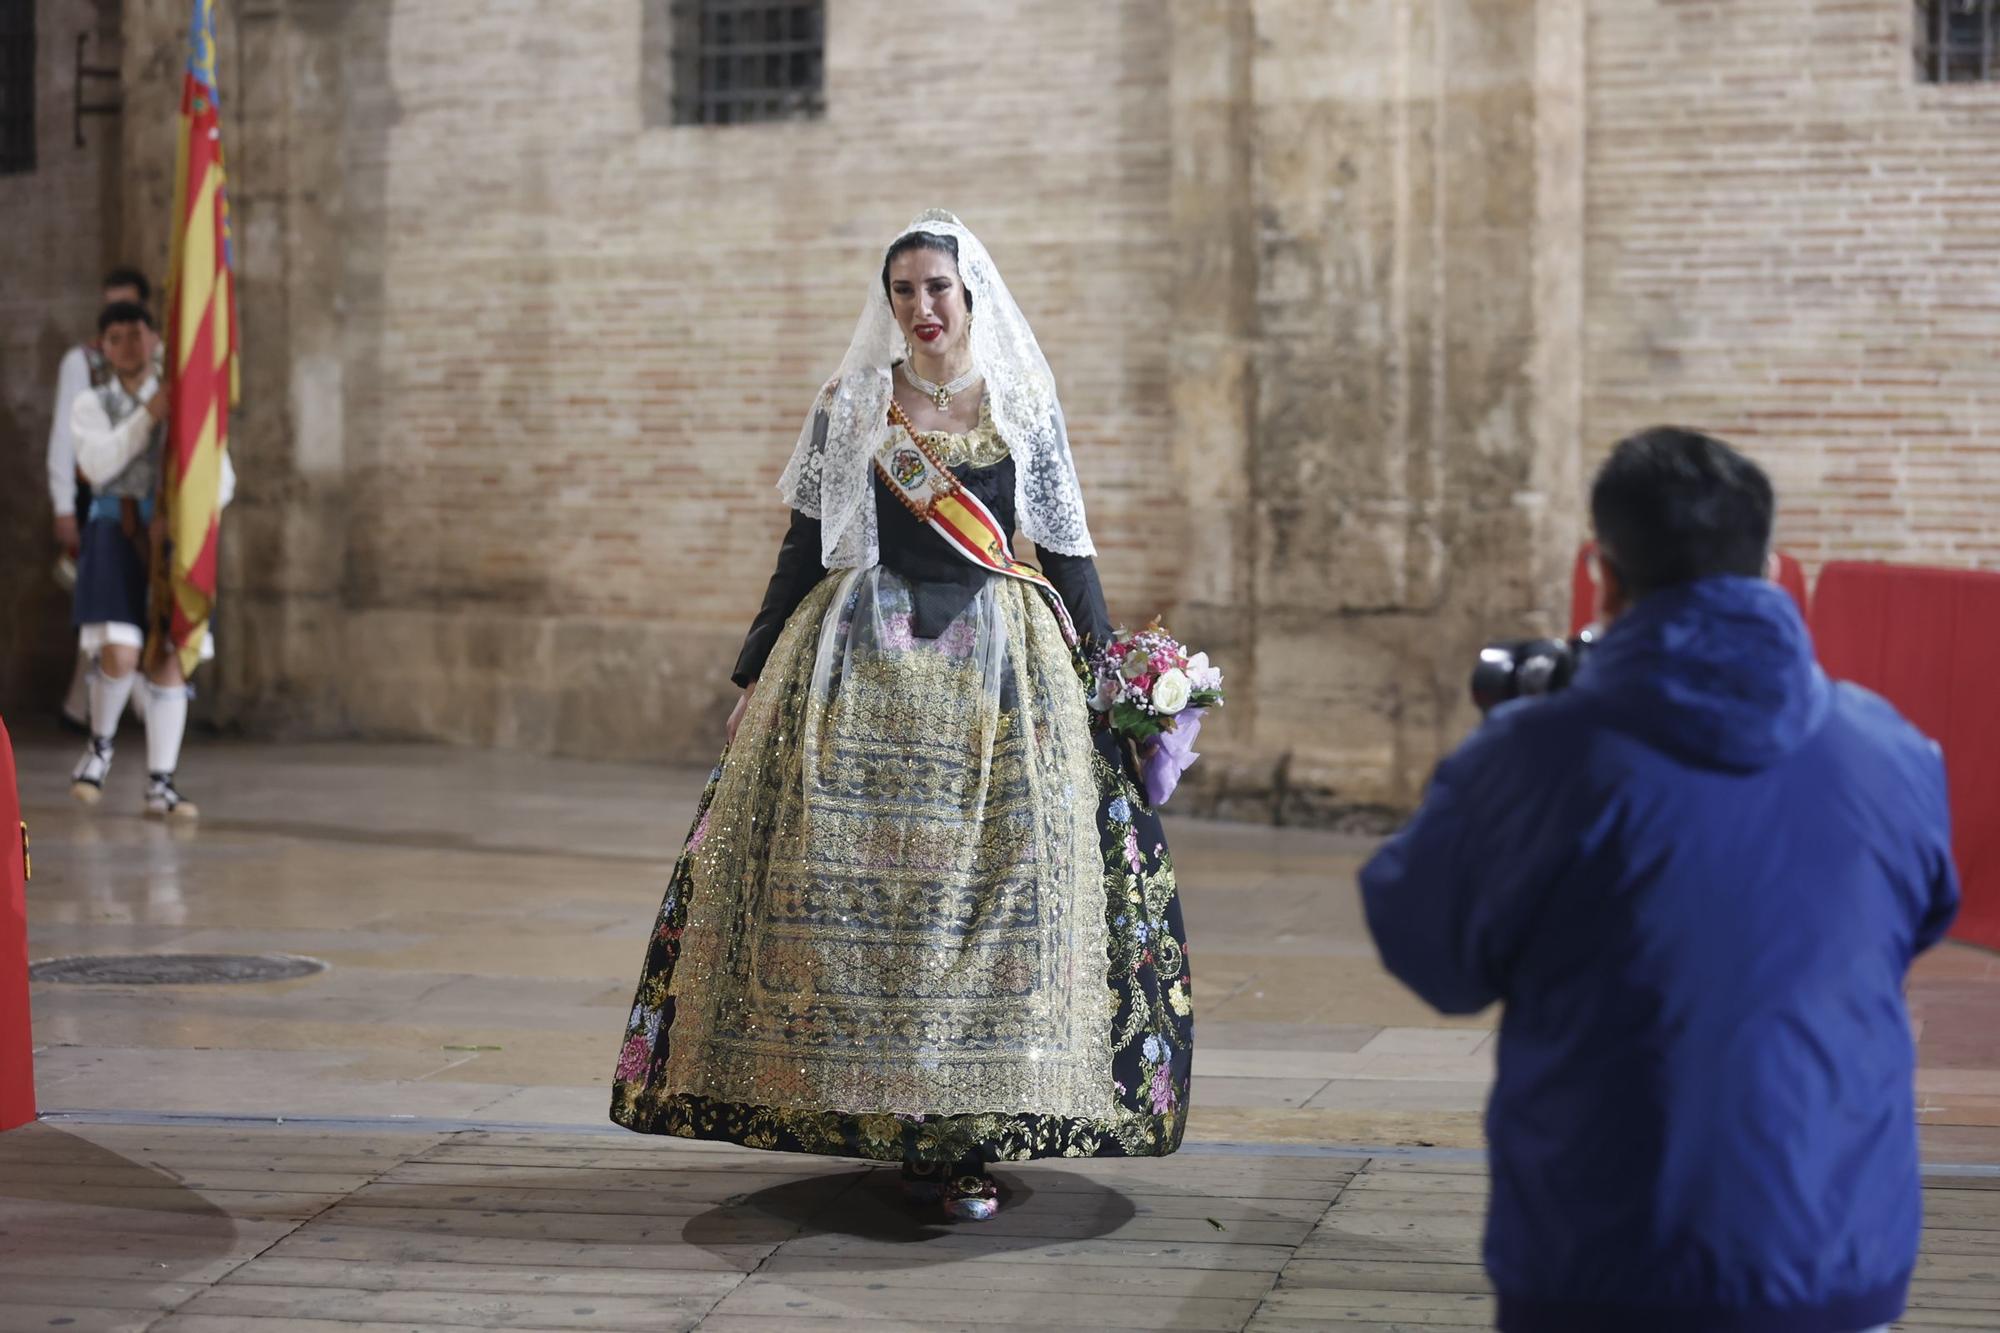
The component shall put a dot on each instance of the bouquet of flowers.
(1152, 694)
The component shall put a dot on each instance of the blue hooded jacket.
(1696, 880)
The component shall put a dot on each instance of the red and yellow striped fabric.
(927, 489)
(201, 353)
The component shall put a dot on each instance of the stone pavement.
(415, 1138)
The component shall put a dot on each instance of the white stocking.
(166, 723)
(108, 697)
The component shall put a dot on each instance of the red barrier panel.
(17, 1046)
(1583, 590)
(1789, 574)
(1927, 640)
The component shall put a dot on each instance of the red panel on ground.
(1791, 576)
(1582, 591)
(17, 1047)
(1927, 640)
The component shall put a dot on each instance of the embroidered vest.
(141, 475)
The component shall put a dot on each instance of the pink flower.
(896, 632)
(1163, 1092)
(1132, 856)
(700, 832)
(1107, 694)
(632, 1060)
(959, 639)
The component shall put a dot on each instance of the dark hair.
(924, 240)
(129, 277)
(1673, 505)
(123, 312)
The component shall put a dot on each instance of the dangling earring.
(907, 354)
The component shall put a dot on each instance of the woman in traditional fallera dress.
(924, 914)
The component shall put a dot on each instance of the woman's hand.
(742, 707)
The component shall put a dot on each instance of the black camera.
(1524, 668)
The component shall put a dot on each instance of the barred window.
(736, 61)
(1957, 40)
(17, 86)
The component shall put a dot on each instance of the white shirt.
(104, 450)
(72, 378)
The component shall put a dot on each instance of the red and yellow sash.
(927, 489)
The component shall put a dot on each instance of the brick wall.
(579, 346)
(601, 339)
(57, 233)
(1793, 243)
(522, 362)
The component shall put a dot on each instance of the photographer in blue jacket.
(1695, 880)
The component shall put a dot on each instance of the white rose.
(1171, 690)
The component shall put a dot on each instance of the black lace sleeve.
(1075, 577)
(799, 569)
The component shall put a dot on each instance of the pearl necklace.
(941, 394)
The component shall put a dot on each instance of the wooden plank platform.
(183, 1229)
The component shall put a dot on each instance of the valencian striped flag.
(201, 360)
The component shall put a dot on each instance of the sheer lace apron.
(896, 902)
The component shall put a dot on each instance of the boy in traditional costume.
(119, 433)
(83, 367)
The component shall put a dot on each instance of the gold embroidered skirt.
(922, 912)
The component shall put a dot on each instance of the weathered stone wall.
(58, 234)
(1341, 295)
(533, 470)
(522, 360)
(1411, 379)
(1792, 242)
(279, 65)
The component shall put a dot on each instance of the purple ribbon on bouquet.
(1170, 754)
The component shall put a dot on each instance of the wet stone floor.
(414, 1137)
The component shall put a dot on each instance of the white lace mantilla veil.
(830, 477)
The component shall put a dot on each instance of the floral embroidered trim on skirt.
(922, 914)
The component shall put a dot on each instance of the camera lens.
(1536, 675)
(1493, 677)
(1523, 668)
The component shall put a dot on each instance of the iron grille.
(1957, 40)
(17, 86)
(737, 61)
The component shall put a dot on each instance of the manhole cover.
(172, 969)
